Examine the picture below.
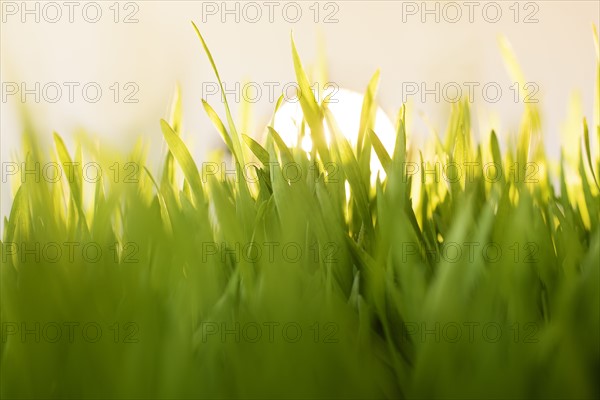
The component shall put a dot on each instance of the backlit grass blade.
(511, 62)
(238, 152)
(161, 200)
(348, 161)
(495, 147)
(529, 135)
(73, 173)
(184, 158)
(311, 111)
(400, 144)
(175, 121)
(15, 217)
(219, 125)
(597, 97)
(257, 149)
(586, 142)
(381, 152)
(287, 156)
(367, 114)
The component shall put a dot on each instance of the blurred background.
(111, 68)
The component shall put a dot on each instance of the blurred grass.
(375, 293)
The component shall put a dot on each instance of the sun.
(345, 106)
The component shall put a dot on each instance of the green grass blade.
(185, 160)
(381, 152)
(257, 149)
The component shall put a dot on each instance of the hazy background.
(555, 50)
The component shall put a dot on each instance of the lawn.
(302, 277)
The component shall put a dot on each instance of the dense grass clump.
(483, 284)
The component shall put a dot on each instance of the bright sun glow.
(346, 107)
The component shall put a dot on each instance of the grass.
(385, 305)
